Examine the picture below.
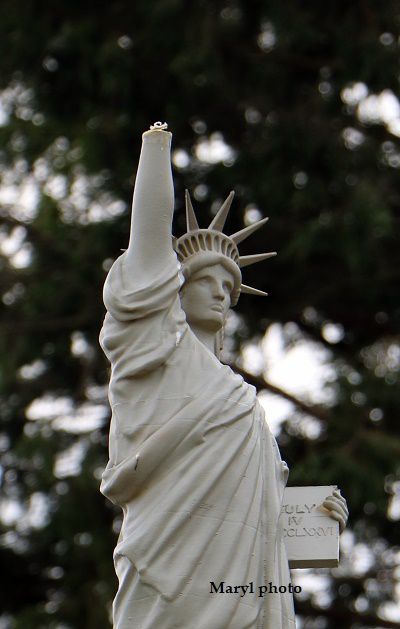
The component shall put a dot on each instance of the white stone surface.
(193, 464)
(311, 536)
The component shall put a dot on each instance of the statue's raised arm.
(150, 244)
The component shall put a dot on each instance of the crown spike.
(252, 291)
(245, 233)
(259, 257)
(191, 220)
(219, 219)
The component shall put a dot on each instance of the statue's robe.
(194, 468)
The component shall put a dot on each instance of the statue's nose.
(219, 292)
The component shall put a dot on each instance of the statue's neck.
(207, 338)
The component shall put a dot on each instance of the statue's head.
(211, 266)
(199, 248)
(207, 296)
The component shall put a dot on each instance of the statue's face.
(206, 297)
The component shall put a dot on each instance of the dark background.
(290, 88)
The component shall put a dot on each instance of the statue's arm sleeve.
(145, 321)
(145, 278)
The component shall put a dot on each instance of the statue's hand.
(337, 507)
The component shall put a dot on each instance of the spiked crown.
(204, 247)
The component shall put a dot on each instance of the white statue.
(193, 464)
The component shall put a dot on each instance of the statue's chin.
(210, 324)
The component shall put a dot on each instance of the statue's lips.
(216, 308)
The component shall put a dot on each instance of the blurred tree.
(294, 105)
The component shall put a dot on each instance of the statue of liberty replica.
(193, 464)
